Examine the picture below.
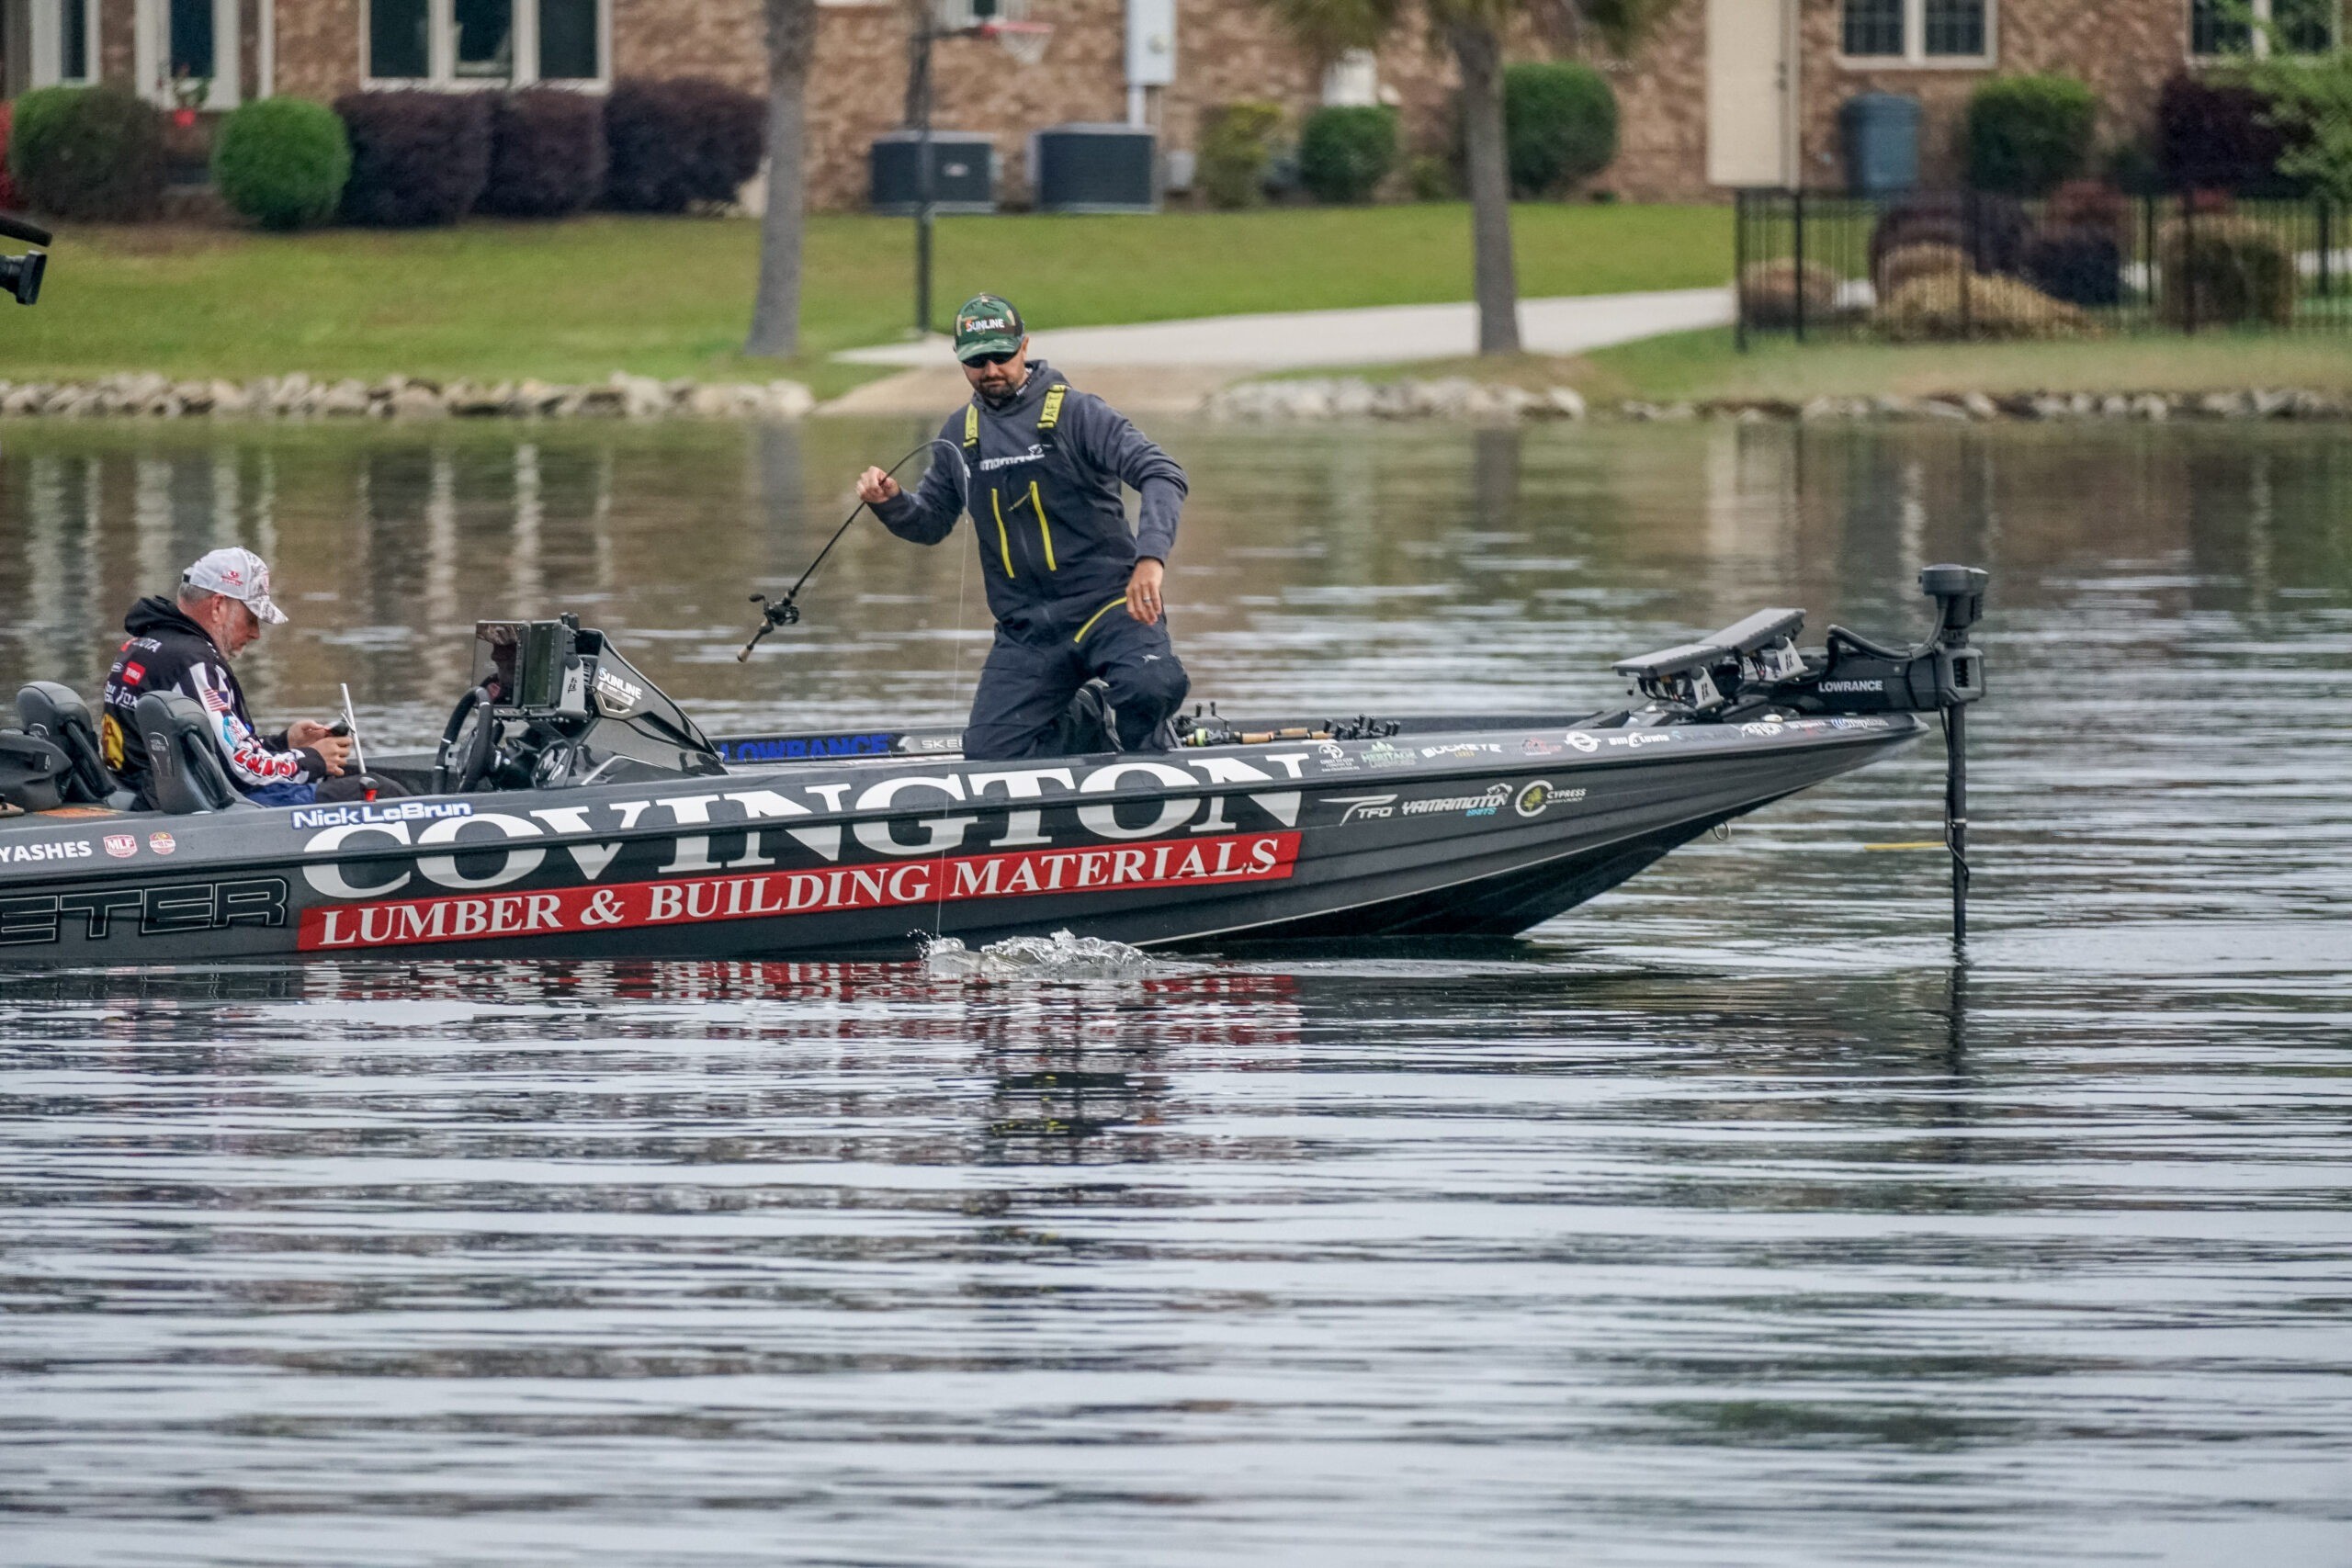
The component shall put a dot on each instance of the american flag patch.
(215, 699)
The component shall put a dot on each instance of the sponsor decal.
(1363, 806)
(33, 854)
(133, 674)
(1637, 739)
(1851, 686)
(802, 748)
(144, 912)
(162, 844)
(1535, 746)
(1761, 728)
(1481, 804)
(615, 695)
(1380, 754)
(1334, 758)
(380, 811)
(936, 743)
(1201, 862)
(1588, 744)
(1036, 454)
(1859, 723)
(1531, 801)
(122, 846)
(1464, 748)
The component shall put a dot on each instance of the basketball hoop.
(1026, 41)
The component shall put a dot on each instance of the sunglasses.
(992, 358)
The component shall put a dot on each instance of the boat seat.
(32, 773)
(57, 713)
(185, 772)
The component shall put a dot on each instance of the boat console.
(554, 704)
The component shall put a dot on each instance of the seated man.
(223, 602)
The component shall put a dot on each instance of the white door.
(1751, 93)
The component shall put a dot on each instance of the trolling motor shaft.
(1959, 593)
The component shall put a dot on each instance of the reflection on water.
(1724, 1220)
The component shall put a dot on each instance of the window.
(1921, 32)
(191, 52)
(399, 40)
(571, 41)
(73, 19)
(463, 43)
(2224, 26)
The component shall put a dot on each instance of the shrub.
(1236, 145)
(416, 158)
(2079, 263)
(1345, 151)
(2218, 136)
(2224, 270)
(680, 140)
(2027, 133)
(1559, 125)
(1957, 306)
(282, 162)
(1991, 228)
(1432, 178)
(1769, 290)
(547, 154)
(87, 152)
(2088, 204)
(1905, 262)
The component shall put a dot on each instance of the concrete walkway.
(1169, 365)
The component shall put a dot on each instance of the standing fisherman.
(1082, 659)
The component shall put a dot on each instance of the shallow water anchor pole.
(1956, 815)
(1959, 593)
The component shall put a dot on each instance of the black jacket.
(169, 652)
(1044, 474)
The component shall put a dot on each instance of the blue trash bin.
(1881, 136)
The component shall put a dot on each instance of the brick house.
(1724, 92)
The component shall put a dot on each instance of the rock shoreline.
(153, 396)
(1456, 397)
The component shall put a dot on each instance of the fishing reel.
(773, 614)
(20, 276)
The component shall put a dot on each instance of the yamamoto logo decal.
(122, 846)
(1363, 806)
(384, 811)
(1588, 744)
(29, 854)
(1247, 857)
(1482, 805)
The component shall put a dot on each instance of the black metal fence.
(1957, 266)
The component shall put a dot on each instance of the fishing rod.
(785, 612)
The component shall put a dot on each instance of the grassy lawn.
(671, 297)
(1702, 365)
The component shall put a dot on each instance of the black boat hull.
(1440, 831)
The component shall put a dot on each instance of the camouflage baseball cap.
(988, 325)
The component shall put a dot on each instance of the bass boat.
(574, 811)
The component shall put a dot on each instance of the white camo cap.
(237, 573)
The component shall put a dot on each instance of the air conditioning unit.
(1094, 168)
(962, 172)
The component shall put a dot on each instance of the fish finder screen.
(521, 662)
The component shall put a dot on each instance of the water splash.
(1060, 956)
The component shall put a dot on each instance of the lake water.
(1724, 1220)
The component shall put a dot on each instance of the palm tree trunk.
(775, 310)
(1478, 52)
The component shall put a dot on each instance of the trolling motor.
(20, 276)
(1754, 667)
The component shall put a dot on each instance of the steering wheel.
(481, 751)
